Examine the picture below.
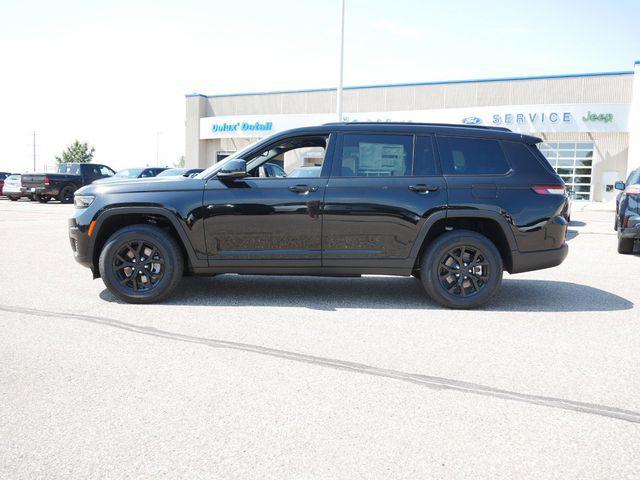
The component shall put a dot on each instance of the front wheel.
(141, 264)
(461, 269)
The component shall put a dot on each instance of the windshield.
(634, 178)
(215, 168)
(129, 172)
(172, 172)
(69, 168)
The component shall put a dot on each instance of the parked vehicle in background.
(632, 179)
(133, 173)
(177, 172)
(387, 202)
(3, 175)
(63, 184)
(13, 187)
(305, 172)
(628, 213)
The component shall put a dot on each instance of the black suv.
(452, 205)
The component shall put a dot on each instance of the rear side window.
(471, 156)
(526, 158)
(366, 155)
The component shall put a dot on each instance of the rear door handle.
(302, 189)
(422, 188)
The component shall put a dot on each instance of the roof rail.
(426, 124)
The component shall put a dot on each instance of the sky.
(114, 73)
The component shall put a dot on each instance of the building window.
(574, 163)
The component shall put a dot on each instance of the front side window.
(281, 159)
(471, 156)
(106, 171)
(371, 155)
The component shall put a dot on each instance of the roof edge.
(415, 84)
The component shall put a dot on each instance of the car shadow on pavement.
(571, 234)
(370, 292)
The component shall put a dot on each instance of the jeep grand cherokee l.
(452, 205)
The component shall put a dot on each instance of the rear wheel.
(141, 264)
(461, 269)
(42, 198)
(13, 199)
(66, 194)
(625, 245)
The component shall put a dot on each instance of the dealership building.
(589, 123)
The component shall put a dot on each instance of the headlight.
(83, 201)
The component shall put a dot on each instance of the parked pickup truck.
(62, 185)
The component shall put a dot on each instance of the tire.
(66, 194)
(13, 199)
(479, 284)
(130, 286)
(625, 246)
(41, 198)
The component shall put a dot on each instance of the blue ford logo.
(472, 121)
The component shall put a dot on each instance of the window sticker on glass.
(379, 159)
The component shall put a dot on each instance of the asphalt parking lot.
(280, 377)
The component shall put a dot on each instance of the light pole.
(341, 56)
(158, 148)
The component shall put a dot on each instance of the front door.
(378, 198)
(267, 219)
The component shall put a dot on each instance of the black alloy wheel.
(66, 194)
(138, 266)
(141, 264)
(461, 269)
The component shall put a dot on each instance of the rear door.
(382, 188)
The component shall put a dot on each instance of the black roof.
(423, 124)
(499, 133)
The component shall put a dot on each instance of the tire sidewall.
(439, 248)
(169, 251)
(62, 198)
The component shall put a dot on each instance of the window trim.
(508, 173)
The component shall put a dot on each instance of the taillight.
(548, 189)
(632, 190)
(46, 181)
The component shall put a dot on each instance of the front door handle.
(302, 189)
(422, 188)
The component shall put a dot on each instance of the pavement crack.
(436, 383)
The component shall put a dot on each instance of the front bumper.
(529, 261)
(79, 240)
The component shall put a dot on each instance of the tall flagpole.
(341, 54)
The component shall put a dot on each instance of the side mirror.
(619, 185)
(236, 168)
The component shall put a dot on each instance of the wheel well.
(115, 222)
(485, 226)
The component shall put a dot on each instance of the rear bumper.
(632, 229)
(529, 261)
(48, 191)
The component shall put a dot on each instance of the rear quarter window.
(472, 156)
(527, 158)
